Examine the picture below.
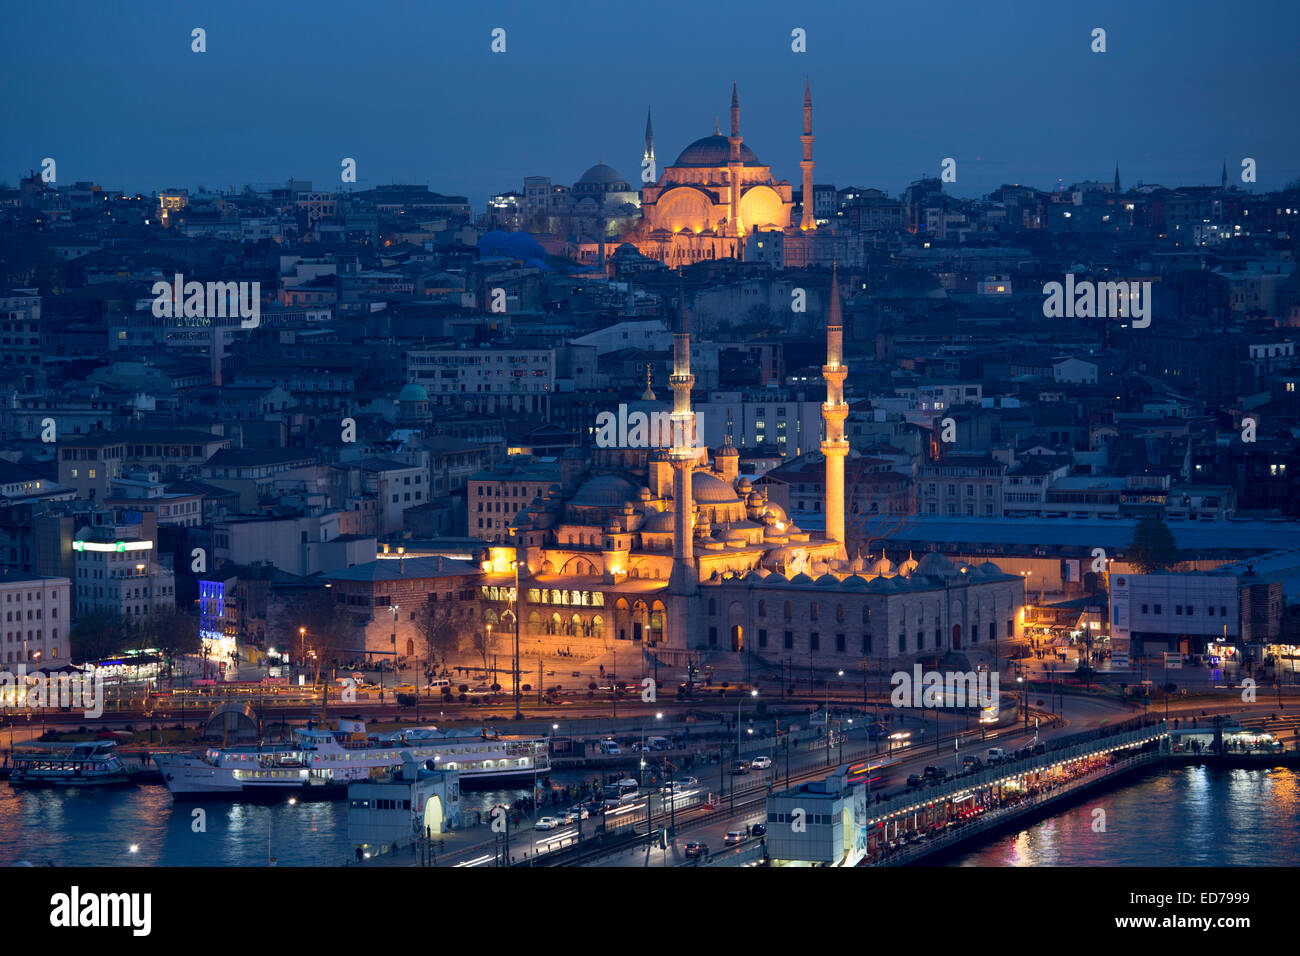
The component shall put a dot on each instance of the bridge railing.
(993, 817)
(991, 776)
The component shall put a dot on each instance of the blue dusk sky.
(412, 91)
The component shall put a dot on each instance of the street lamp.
(739, 701)
(827, 718)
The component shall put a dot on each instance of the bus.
(874, 772)
(619, 792)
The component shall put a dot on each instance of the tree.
(481, 641)
(439, 625)
(169, 630)
(1153, 547)
(328, 630)
(98, 634)
(879, 505)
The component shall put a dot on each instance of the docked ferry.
(326, 761)
(91, 764)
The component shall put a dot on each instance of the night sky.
(1010, 89)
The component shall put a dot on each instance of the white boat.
(90, 764)
(324, 760)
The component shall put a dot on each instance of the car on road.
(935, 773)
(685, 783)
(971, 763)
(739, 768)
(403, 689)
(594, 806)
(761, 763)
(914, 781)
(758, 830)
(546, 823)
(996, 755)
(694, 848)
(733, 838)
(574, 814)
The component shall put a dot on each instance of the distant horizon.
(414, 93)
(479, 205)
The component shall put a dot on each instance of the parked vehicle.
(758, 830)
(609, 747)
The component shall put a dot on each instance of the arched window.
(762, 609)
(789, 611)
(713, 606)
(839, 612)
(866, 614)
(812, 610)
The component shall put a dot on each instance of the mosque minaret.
(807, 221)
(834, 411)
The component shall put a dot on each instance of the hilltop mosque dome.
(600, 179)
(714, 151)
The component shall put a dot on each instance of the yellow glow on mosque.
(717, 193)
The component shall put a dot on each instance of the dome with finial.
(714, 150)
(413, 392)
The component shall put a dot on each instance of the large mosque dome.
(601, 179)
(714, 151)
(605, 491)
(707, 489)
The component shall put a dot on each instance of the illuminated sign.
(115, 546)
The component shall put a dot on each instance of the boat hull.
(189, 778)
(111, 780)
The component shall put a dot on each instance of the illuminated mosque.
(718, 192)
(662, 549)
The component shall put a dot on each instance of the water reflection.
(1189, 816)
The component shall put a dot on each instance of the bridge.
(937, 819)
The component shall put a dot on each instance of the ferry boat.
(91, 764)
(325, 761)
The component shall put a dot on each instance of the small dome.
(413, 392)
(855, 582)
(659, 522)
(827, 581)
(882, 585)
(935, 564)
(801, 579)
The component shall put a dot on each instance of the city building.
(37, 619)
